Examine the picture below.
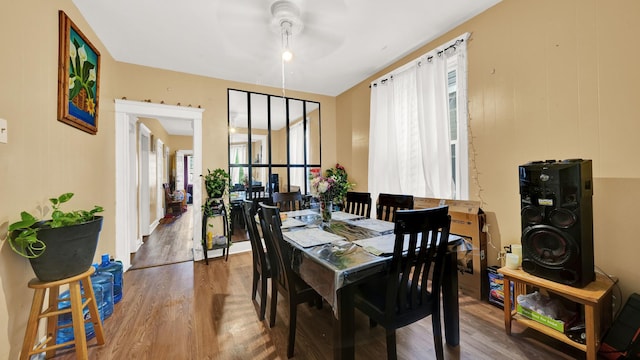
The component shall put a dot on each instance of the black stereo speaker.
(557, 220)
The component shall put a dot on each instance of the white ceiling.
(341, 43)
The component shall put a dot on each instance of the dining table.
(335, 256)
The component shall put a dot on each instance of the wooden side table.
(596, 298)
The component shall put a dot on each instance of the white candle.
(512, 261)
(517, 249)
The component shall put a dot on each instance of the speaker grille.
(563, 218)
(548, 245)
(531, 215)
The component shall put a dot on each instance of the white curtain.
(238, 154)
(409, 138)
(296, 152)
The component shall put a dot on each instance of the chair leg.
(263, 297)
(274, 302)
(293, 315)
(391, 345)
(437, 333)
(256, 277)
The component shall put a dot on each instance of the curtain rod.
(429, 58)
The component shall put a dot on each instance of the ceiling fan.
(254, 29)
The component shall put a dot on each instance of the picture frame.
(78, 77)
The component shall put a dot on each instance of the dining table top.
(344, 250)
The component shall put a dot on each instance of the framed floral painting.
(78, 78)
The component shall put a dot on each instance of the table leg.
(506, 289)
(450, 300)
(592, 323)
(344, 325)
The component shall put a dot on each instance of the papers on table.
(341, 215)
(311, 237)
(373, 224)
(291, 222)
(295, 213)
(381, 245)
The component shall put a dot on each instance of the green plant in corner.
(23, 234)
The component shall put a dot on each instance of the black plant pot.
(70, 250)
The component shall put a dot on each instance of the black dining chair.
(388, 204)
(261, 265)
(358, 203)
(405, 294)
(286, 281)
(288, 201)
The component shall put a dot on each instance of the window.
(418, 134)
(273, 142)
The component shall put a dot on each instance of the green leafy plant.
(23, 234)
(216, 183)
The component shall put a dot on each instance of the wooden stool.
(51, 313)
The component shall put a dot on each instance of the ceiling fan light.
(287, 55)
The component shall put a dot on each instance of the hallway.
(169, 243)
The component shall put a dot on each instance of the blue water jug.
(65, 321)
(115, 268)
(105, 281)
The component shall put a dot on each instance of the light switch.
(3, 131)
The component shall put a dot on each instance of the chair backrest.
(288, 201)
(250, 209)
(255, 192)
(358, 203)
(167, 192)
(279, 256)
(408, 291)
(388, 204)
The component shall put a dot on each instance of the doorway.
(128, 233)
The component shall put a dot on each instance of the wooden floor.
(194, 311)
(169, 243)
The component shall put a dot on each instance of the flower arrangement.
(333, 186)
(322, 187)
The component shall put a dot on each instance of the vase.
(326, 206)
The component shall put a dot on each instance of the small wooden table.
(596, 298)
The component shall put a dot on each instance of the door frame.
(144, 147)
(126, 115)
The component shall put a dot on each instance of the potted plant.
(216, 183)
(60, 247)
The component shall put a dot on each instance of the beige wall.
(44, 157)
(178, 142)
(546, 80)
